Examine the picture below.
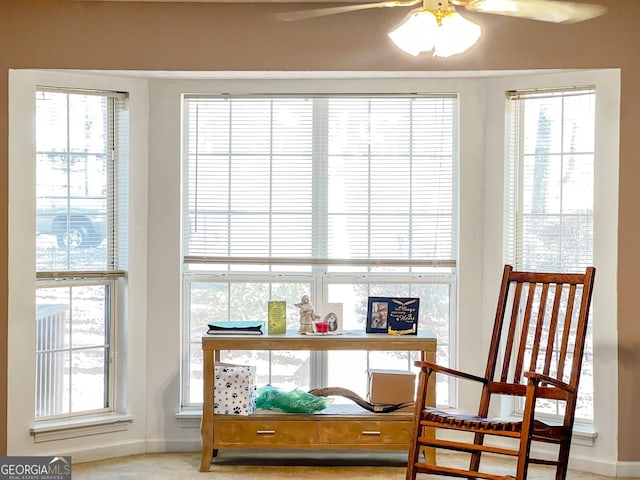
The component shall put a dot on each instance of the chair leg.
(474, 464)
(522, 468)
(563, 460)
(411, 468)
(415, 448)
(525, 448)
(414, 454)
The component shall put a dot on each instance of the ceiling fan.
(557, 11)
(437, 26)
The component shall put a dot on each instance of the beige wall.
(162, 36)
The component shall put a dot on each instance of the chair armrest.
(539, 377)
(450, 371)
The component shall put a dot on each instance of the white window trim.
(63, 429)
(602, 438)
(27, 436)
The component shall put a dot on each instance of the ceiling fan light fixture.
(425, 30)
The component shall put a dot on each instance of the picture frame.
(332, 314)
(276, 317)
(377, 314)
(393, 315)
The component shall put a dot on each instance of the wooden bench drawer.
(255, 433)
(365, 432)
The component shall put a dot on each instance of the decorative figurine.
(306, 315)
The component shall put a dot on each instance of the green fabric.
(295, 401)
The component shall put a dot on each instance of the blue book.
(241, 327)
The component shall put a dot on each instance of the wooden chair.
(535, 353)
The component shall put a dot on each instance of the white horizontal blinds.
(119, 184)
(512, 182)
(319, 179)
(391, 175)
(77, 197)
(551, 171)
(248, 178)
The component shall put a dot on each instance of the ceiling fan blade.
(544, 10)
(321, 12)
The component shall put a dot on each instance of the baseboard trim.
(586, 464)
(114, 450)
(610, 469)
(628, 469)
(162, 446)
(133, 448)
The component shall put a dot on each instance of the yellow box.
(391, 387)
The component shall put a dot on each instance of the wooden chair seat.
(473, 423)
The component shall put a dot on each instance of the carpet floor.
(278, 465)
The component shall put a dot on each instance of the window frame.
(515, 165)
(319, 266)
(115, 252)
(24, 433)
(111, 289)
(319, 283)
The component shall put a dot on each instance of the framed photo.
(393, 315)
(378, 314)
(332, 314)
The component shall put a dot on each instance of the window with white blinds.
(550, 179)
(82, 140)
(320, 180)
(81, 180)
(337, 197)
(549, 202)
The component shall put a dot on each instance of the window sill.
(582, 434)
(189, 418)
(61, 429)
